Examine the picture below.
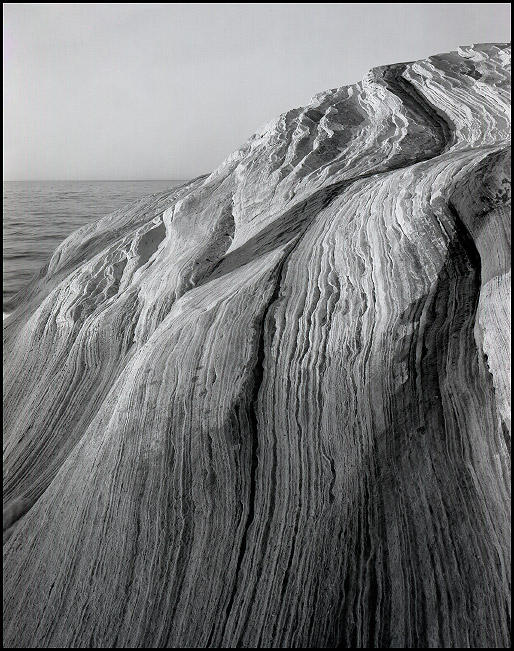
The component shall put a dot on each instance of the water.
(39, 215)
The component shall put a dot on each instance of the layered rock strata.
(271, 407)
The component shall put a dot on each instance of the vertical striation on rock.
(271, 407)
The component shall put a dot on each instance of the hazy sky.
(167, 91)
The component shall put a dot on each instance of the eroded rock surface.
(271, 408)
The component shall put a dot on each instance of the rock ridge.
(271, 407)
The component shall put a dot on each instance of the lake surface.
(39, 215)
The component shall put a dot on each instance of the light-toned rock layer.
(271, 408)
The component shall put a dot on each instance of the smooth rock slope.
(271, 407)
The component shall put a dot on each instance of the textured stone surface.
(271, 407)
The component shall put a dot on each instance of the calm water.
(39, 215)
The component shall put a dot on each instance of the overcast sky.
(167, 91)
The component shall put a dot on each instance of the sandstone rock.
(271, 408)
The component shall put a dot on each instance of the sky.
(167, 91)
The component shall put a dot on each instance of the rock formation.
(271, 408)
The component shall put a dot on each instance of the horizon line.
(86, 180)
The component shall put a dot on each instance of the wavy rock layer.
(270, 408)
